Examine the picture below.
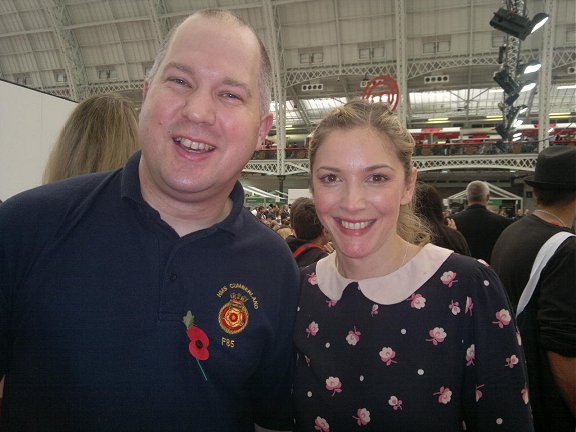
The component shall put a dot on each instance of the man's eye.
(230, 95)
(178, 81)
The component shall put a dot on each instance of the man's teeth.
(193, 145)
(355, 225)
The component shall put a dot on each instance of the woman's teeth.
(355, 225)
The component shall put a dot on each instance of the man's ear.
(145, 90)
(265, 126)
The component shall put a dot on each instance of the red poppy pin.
(199, 341)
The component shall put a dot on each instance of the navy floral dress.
(429, 347)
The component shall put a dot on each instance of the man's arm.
(564, 372)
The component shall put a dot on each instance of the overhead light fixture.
(566, 87)
(527, 86)
(539, 20)
(517, 138)
(530, 67)
(516, 25)
(503, 131)
(518, 122)
(501, 54)
(508, 84)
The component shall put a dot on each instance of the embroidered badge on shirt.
(233, 316)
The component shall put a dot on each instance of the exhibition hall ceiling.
(441, 53)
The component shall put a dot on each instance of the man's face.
(200, 121)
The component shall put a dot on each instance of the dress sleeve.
(557, 302)
(496, 389)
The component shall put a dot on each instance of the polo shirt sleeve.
(557, 301)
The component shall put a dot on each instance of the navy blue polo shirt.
(93, 290)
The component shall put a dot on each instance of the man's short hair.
(548, 197)
(304, 220)
(477, 191)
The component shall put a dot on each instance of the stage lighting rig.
(515, 24)
(528, 68)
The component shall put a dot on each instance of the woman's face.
(359, 184)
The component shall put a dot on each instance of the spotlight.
(528, 85)
(503, 131)
(539, 20)
(501, 54)
(510, 22)
(507, 83)
(530, 67)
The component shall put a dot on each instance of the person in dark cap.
(548, 321)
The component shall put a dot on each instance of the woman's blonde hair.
(377, 116)
(100, 135)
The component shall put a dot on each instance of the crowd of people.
(140, 293)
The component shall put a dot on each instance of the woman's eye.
(378, 178)
(328, 178)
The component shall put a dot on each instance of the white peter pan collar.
(390, 289)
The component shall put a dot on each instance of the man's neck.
(557, 215)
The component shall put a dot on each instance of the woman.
(100, 135)
(428, 206)
(394, 333)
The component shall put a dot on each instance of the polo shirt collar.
(130, 189)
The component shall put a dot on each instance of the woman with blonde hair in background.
(392, 332)
(100, 135)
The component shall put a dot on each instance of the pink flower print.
(363, 416)
(444, 395)
(437, 334)
(334, 385)
(470, 355)
(321, 425)
(374, 310)
(511, 361)
(469, 306)
(417, 301)
(478, 392)
(312, 329)
(312, 279)
(525, 397)
(331, 303)
(503, 317)
(387, 355)
(353, 336)
(454, 307)
(448, 278)
(395, 403)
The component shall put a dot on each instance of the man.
(548, 323)
(480, 226)
(133, 300)
(310, 237)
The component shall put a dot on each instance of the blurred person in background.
(100, 135)
(548, 321)
(428, 206)
(479, 226)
